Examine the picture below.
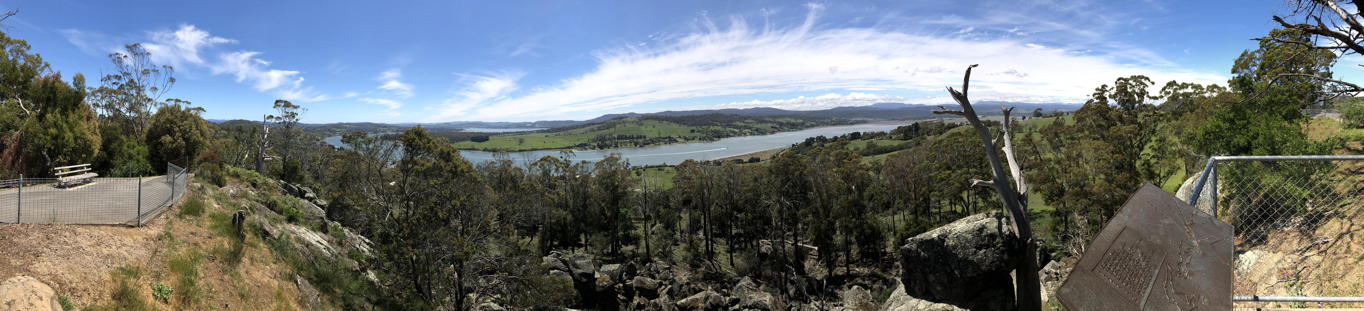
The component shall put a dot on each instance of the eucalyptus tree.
(129, 95)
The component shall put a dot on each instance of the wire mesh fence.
(1297, 223)
(103, 200)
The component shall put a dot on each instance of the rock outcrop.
(24, 293)
(705, 300)
(966, 263)
(899, 301)
(751, 297)
(858, 299)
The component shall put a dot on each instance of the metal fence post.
(1213, 188)
(139, 200)
(19, 211)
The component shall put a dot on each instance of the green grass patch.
(657, 176)
(124, 296)
(193, 207)
(66, 303)
(185, 266)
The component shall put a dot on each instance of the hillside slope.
(192, 257)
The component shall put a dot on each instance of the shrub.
(290, 171)
(1352, 112)
(193, 207)
(161, 292)
(286, 205)
(66, 303)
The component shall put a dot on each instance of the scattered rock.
(311, 211)
(1051, 277)
(705, 300)
(488, 306)
(307, 293)
(858, 299)
(24, 293)
(554, 263)
(645, 286)
(582, 268)
(899, 301)
(966, 263)
(269, 229)
(750, 296)
(614, 271)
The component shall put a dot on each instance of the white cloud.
(248, 68)
(391, 104)
(741, 60)
(181, 47)
(476, 91)
(825, 101)
(389, 82)
(189, 47)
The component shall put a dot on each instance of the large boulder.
(705, 300)
(858, 299)
(645, 286)
(899, 301)
(1051, 277)
(966, 263)
(24, 293)
(615, 271)
(751, 296)
(582, 268)
(311, 211)
(553, 262)
(309, 294)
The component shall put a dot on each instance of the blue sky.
(418, 61)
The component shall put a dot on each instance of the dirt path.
(75, 260)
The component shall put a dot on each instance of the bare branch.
(944, 110)
(1014, 168)
(1350, 87)
(1321, 30)
(1348, 18)
(7, 15)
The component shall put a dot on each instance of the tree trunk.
(1025, 269)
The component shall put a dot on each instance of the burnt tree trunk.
(1026, 284)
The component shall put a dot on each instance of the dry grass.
(114, 267)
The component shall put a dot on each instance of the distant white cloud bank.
(739, 59)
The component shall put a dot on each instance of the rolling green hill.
(645, 131)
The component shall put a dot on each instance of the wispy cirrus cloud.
(188, 47)
(389, 81)
(740, 59)
(476, 91)
(181, 46)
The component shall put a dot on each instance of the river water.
(676, 153)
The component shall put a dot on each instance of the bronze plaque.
(1158, 253)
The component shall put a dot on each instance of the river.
(676, 153)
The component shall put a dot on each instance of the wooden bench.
(73, 175)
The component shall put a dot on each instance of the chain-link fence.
(131, 201)
(1298, 225)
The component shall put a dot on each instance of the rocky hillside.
(286, 256)
(282, 253)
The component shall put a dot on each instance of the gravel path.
(104, 201)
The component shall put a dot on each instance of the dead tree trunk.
(1026, 283)
(261, 145)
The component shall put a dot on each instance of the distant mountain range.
(878, 111)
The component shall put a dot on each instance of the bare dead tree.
(1342, 30)
(1025, 268)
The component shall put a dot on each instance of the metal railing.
(1297, 223)
(104, 200)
